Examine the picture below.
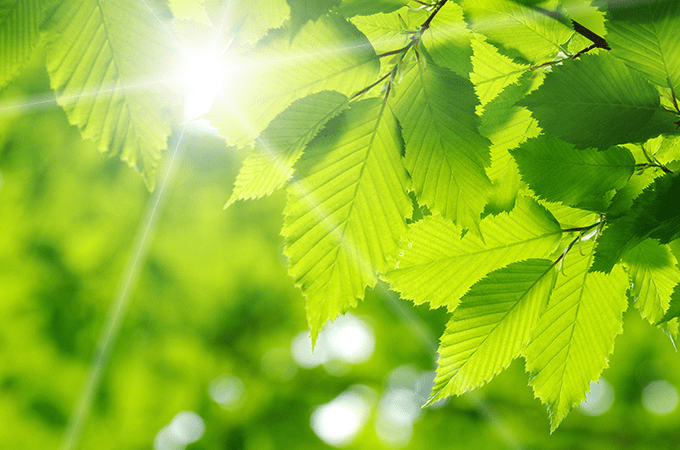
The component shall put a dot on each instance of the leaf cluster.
(510, 161)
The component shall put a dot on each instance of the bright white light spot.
(400, 406)
(227, 390)
(599, 399)
(392, 435)
(339, 421)
(277, 365)
(660, 397)
(165, 441)
(203, 75)
(347, 340)
(186, 427)
(351, 339)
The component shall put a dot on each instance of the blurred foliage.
(212, 300)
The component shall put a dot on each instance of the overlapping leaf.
(95, 59)
(572, 341)
(437, 266)
(249, 20)
(328, 54)
(445, 154)
(351, 8)
(645, 36)
(522, 30)
(558, 172)
(653, 274)
(19, 32)
(448, 40)
(345, 215)
(597, 101)
(491, 325)
(270, 164)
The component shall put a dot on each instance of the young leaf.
(653, 274)
(645, 36)
(674, 306)
(522, 30)
(345, 215)
(572, 341)
(492, 72)
(597, 101)
(436, 265)
(557, 172)
(19, 32)
(491, 325)
(270, 164)
(445, 154)
(447, 40)
(385, 31)
(94, 58)
(328, 54)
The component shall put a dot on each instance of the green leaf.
(387, 32)
(572, 341)
(345, 215)
(557, 172)
(492, 72)
(491, 325)
(523, 31)
(645, 36)
(19, 32)
(270, 165)
(445, 154)
(447, 40)
(95, 60)
(328, 54)
(506, 126)
(351, 8)
(597, 101)
(674, 306)
(436, 265)
(653, 274)
(249, 20)
(654, 214)
(189, 10)
(624, 197)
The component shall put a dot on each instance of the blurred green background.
(213, 352)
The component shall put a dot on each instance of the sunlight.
(339, 421)
(599, 400)
(660, 397)
(204, 73)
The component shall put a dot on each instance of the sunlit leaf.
(345, 215)
(573, 339)
(351, 8)
(491, 325)
(492, 72)
(95, 62)
(19, 32)
(437, 266)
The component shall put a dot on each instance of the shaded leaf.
(351, 8)
(674, 306)
(558, 172)
(345, 215)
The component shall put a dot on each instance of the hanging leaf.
(573, 339)
(345, 215)
(491, 325)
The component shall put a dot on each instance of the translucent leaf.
(646, 37)
(351, 8)
(95, 61)
(445, 154)
(491, 325)
(436, 265)
(492, 72)
(674, 307)
(270, 164)
(522, 30)
(328, 54)
(557, 172)
(653, 214)
(597, 101)
(19, 32)
(387, 32)
(447, 40)
(507, 126)
(189, 10)
(572, 341)
(249, 20)
(345, 215)
(653, 274)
